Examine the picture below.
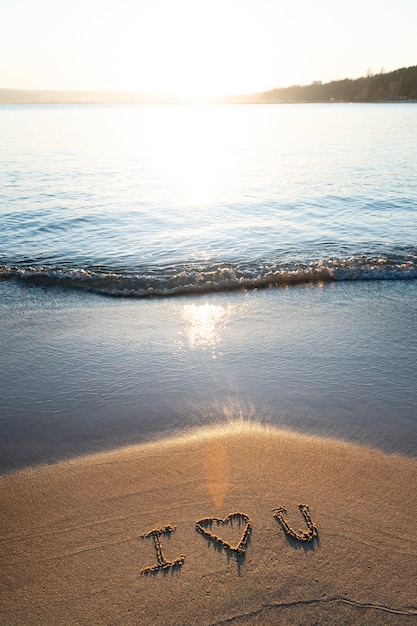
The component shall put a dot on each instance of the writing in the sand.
(211, 527)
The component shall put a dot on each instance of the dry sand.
(71, 550)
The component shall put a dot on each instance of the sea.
(175, 244)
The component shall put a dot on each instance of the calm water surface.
(143, 200)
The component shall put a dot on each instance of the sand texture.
(230, 525)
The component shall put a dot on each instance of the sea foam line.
(185, 278)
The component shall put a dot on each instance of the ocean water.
(261, 262)
(164, 200)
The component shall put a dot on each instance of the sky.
(200, 47)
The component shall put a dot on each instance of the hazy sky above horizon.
(200, 47)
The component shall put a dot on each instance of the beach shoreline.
(240, 458)
(82, 373)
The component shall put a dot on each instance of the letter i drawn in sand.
(162, 563)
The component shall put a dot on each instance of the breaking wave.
(196, 278)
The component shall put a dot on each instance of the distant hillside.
(400, 85)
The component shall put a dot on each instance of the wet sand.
(80, 373)
(113, 537)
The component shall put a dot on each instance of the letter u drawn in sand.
(299, 535)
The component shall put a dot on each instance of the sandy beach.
(79, 539)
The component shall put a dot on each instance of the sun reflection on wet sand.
(205, 325)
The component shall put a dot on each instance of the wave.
(196, 278)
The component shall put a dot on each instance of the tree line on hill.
(396, 86)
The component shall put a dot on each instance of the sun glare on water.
(194, 145)
(195, 152)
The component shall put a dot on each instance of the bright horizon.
(199, 48)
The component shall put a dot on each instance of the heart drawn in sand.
(203, 526)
